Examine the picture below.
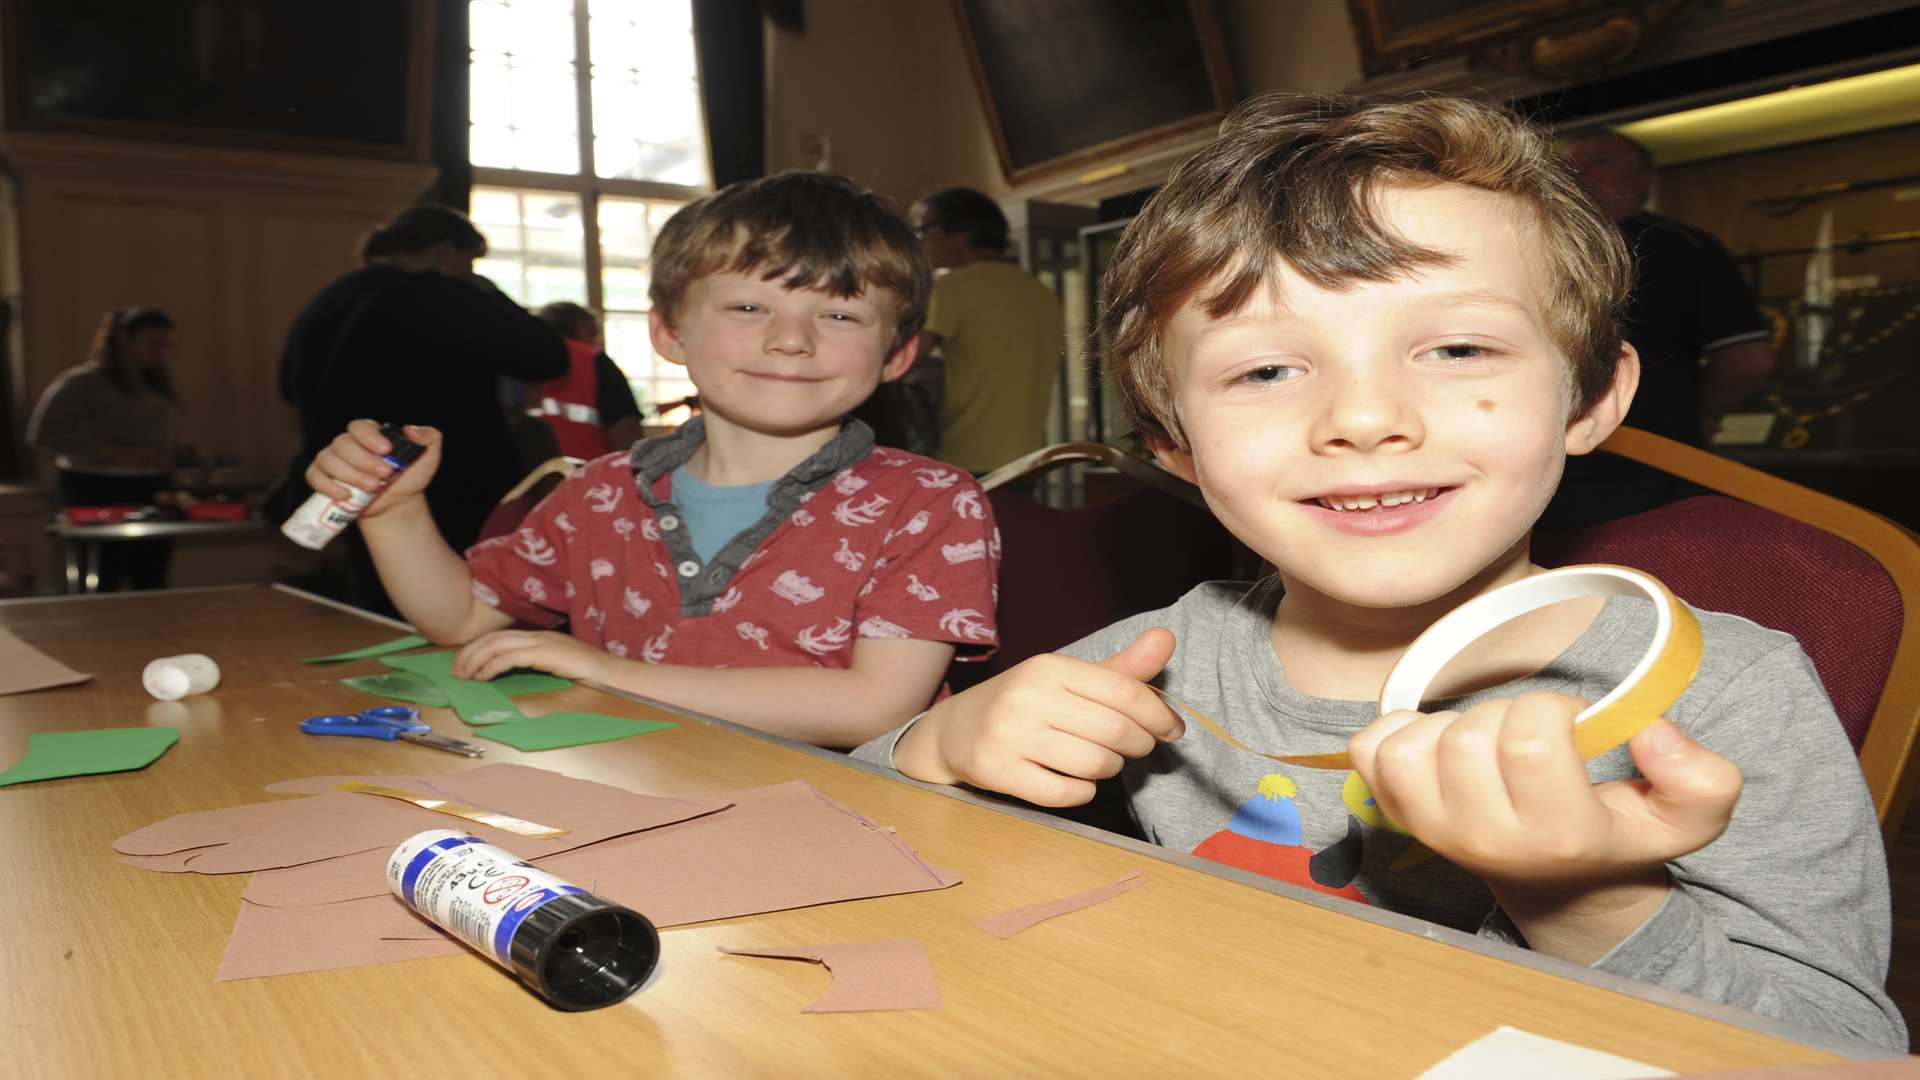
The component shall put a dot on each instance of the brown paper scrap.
(1338, 760)
(285, 941)
(868, 976)
(1008, 923)
(24, 668)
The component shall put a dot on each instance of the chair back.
(525, 495)
(1843, 580)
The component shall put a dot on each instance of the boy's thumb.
(1691, 790)
(1144, 658)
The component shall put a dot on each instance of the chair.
(1843, 580)
(525, 495)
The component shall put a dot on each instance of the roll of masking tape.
(1659, 678)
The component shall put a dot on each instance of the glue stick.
(171, 678)
(321, 517)
(572, 948)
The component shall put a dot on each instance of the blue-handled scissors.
(387, 722)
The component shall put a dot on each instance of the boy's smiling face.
(780, 361)
(1385, 445)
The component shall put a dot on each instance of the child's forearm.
(426, 580)
(837, 708)
(1583, 925)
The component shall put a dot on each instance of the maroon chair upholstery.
(1066, 573)
(505, 517)
(1721, 554)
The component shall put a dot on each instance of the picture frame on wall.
(1533, 34)
(1068, 83)
(225, 73)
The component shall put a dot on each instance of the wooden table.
(109, 970)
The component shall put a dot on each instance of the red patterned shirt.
(858, 541)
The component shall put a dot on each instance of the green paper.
(556, 731)
(419, 690)
(478, 703)
(53, 754)
(399, 644)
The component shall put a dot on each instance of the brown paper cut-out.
(1008, 923)
(24, 668)
(868, 976)
(286, 941)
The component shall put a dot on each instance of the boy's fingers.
(1691, 790)
(1537, 760)
(1099, 685)
(1044, 787)
(1073, 756)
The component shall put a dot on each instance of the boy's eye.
(1458, 351)
(750, 309)
(1270, 373)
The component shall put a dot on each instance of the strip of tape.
(464, 811)
(1662, 674)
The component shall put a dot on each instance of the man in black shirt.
(1703, 343)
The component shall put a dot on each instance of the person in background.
(998, 329)
(591, 408)
(1703, 343)
(109, 426)
(416, 335)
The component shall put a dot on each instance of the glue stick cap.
(581, 952)
(404, 450)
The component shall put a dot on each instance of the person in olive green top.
(998, 328)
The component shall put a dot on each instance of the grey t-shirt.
(1786, 914)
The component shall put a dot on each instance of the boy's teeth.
(1369, 502)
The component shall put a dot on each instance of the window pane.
(542, 28)
(648, 121)
(490, 92)
(535, 245)
(543, 98)
(547, 153)
(488, 27)
(624, 236)
(625, 288)
(491, 146)
(525, 100)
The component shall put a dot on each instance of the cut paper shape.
(868, 976)
(1895, 1068)
(454, 808)
(399, 644)
(286, 941)
(418, 690)
(556, 731)
(54, 754)
(1008, 923)
(24, 668)
(476, 702)
(330, 824)
(1507, 1053)
(779, 847)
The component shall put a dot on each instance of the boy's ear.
(902, 359)
(666, 340)
(1175, 460)
(1586, 432)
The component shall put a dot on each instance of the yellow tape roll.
(1671, 661)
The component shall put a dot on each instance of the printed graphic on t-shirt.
(1266, 836)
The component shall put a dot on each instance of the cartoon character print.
(1265, 836)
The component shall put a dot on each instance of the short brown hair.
(1293, 177)
(810, 230)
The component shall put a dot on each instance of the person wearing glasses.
(997, 327)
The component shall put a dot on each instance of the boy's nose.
(1365, 414)
(790, 335)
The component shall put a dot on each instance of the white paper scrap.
(1511, 1053)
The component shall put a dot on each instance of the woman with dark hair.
(109, 427)
(416, 337)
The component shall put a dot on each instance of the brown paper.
(1008, 923)
(284, 941)
(24, 668)
(868, 976)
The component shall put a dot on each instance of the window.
(587, 134)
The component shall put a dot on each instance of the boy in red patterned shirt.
(770, 536)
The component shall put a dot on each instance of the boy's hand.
(355, 458)
(494, 654)
(1501, 791)
(1045, 730)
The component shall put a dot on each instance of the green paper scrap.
(556, 731)
(418, 690)
(54, 754)
(399, 644)
(478, 703)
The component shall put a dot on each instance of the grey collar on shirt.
(702, 584)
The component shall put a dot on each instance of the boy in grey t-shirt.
(1371, 333)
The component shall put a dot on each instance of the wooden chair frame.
(1048, 458)
(561, 466)
(1891, 733)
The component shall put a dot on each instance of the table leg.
(93, 566)
(71, 551)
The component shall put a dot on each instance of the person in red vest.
(591, 408)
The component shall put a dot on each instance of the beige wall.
(232, 243)
(887, 82)
(1293, 45)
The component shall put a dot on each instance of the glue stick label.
(475, 891)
